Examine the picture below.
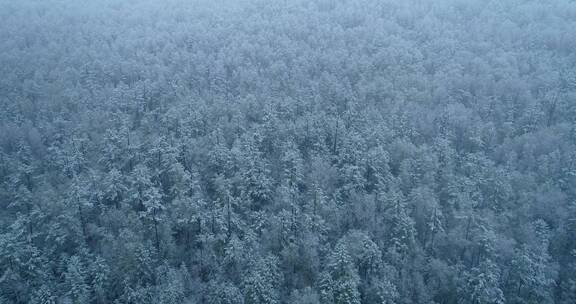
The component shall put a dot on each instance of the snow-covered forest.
(288, 151)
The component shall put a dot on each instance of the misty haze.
(288, 151)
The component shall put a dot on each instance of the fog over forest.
(288, 151)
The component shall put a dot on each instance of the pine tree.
(114, 188)
(153, 213)
(481, 285)
(345, 279)
(223, 293)
(531, 278)
(387, 292)
(256, 185)
(401, 236)
(261, 284)
(257, 290)
(100, 279)
(76, 281)
(325, 287)
(171, 287)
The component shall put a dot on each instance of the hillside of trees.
(288, 151)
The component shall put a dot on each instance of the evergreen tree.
(344, 276)
(78, 289)
(481, 285)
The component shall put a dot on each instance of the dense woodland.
(297, 151)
